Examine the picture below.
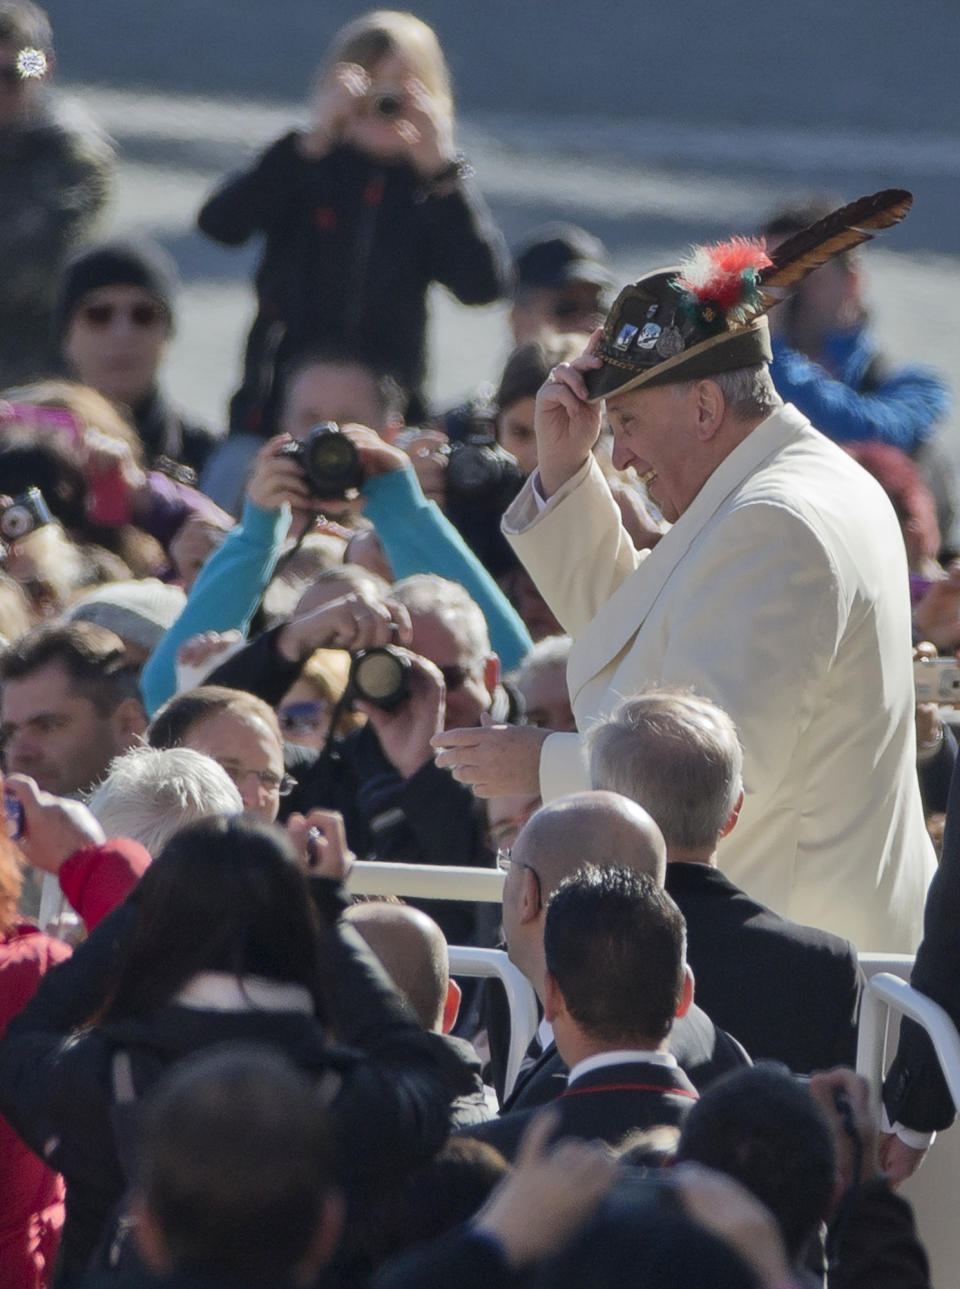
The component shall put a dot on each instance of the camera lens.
(331, 461)
(381, 676)
(16, 521)
(388, 104)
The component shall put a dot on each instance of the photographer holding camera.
(360, 214)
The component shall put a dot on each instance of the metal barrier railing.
(426, 881)
(884, 993)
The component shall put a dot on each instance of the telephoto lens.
(380, 675)
(330, 461)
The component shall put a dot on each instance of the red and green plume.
(721, 284)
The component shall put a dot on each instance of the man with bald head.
(615, 980)
(412, 950)
(602, 829)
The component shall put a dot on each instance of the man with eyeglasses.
(115, 319)
(56, 171)
(239, 732)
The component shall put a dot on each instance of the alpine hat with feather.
(706, 315)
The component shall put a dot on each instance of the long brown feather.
(837, 232)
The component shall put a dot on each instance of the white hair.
(675, 754)
(551, 651)
(427, 593)
(151, 793)
(747, 391)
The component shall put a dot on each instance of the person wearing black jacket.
(788, 992)
(397, 804)
(359, 214)
(219, 942)
(915, 1094)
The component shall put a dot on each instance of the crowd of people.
(636, 625)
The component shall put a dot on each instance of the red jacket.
(95, 880)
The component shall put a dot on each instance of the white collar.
(219, 991)
(626, 1056)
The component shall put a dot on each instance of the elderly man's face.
(655, 431)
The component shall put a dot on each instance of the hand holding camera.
(351, 622)
(416, 709)
(337, 99)
(278, 479)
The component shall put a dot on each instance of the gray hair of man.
(678, 756)
(551, 651)
(748, 392)
(151, 793)
(427, 593)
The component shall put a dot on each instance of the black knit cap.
(128, 262)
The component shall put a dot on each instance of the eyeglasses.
(143, 314)
(302, 718)
(277, 785)
(506, 861)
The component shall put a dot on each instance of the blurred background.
(651, 125)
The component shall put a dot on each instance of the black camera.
(388, 103)
(23, 514)
(380, 675)
(330, 461)
(479, 470)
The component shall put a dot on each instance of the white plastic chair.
(933, 1189)
(524, 1017)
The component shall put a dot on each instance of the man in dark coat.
(788, 992)
(615, 980)
(599, 828)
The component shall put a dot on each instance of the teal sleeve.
(224, 596)
(418, 538)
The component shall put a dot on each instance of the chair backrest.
(524, 1016)
(932, 1190)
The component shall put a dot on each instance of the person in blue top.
(826, 362)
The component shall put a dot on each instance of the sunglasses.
(302, 718)
(143, 315)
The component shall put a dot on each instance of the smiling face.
(656, 432)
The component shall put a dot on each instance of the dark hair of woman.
(224, 895)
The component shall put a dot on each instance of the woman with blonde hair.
(360, 213)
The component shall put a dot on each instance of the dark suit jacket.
(788, 992)
(702, 1051)
(915, 1093)
(606, 1103)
